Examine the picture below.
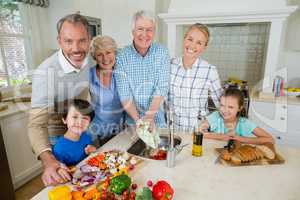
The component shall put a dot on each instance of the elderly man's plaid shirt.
(140, 78)
(189, 90)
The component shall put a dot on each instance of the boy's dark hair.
(238, 94)
(83, 106)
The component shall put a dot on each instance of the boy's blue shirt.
(71, 152)
(244, 126)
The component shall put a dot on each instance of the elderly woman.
(192, 79)
(109, 113)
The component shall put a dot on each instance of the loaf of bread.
(235, 160)
(266, 151)
(247, 153)
(225, 155)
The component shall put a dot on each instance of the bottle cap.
(202, 113)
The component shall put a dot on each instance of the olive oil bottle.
(197, 143)
(198, 137)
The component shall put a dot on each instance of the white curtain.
(35, 20)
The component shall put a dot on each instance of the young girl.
(75, 144)
(230, 123)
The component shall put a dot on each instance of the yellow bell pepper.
(60, 193)
(122, 171)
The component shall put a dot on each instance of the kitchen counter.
(14, 108)
(200, 178)
(270, 98)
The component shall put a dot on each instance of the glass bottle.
(198, 136)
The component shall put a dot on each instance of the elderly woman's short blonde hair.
(102, 43)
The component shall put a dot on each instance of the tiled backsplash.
(238, 50)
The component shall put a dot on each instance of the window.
(13, 61)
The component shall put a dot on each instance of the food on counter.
(60, 193)
(92, 194)
(158, 154)
(103, 165)
(144, 194)
(120, 183)
(134, 186)
(247, 153)
(149, 183)
(77, 195)
(162, 190)
(266, 151)
(225, 154)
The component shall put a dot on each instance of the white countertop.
(14, 108)
(195, 178)
(269, 98)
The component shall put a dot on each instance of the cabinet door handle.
(284, 106)
(278, 137)
(282, 118)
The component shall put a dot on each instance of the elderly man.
(64, 75)
(142, 74)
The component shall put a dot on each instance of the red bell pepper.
(162, 191)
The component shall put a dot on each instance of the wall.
(60, 8)
(291, 47)
(115, 15)
(161, 7)
(289, 58)
(203, 6)
(116, 20)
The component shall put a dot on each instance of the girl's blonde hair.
(102, 43)
(200, 27)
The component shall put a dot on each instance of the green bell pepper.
(120, 183)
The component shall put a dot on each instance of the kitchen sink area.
(139, 148)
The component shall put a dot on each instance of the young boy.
(75, 144)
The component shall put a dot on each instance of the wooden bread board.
(263, 161)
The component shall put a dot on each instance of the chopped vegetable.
(120, 183)
(60, 193)
(77, 195)
(149, 183)
(90, 194)
(134, 186)
(144, 194)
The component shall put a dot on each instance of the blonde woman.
(192, 79)
(105, 99)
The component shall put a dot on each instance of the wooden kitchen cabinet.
(22, 162)
(278, 118)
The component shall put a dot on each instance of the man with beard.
(62, 76)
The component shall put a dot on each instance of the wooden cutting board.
(264, 161)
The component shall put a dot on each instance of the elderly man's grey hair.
(143, 14)
(73, 19)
